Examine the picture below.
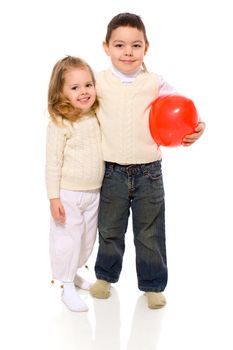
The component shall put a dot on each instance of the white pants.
(71, 244)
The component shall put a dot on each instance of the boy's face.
(126, 48)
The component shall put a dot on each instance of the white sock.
(71, 299)
(81, 283)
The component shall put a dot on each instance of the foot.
(81, 283)
(100, 289)
(71, 299)
(155, 300)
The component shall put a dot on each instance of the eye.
(89, 85)
(119, 45)
(74, 88)
(137, 45)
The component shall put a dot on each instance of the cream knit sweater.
(73, 156)
(124, 120)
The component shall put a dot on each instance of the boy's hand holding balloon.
(190, 139)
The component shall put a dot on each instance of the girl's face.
(126, 48)
(79, 88)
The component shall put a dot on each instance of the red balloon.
(171, 118)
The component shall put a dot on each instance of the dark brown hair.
(125, 19)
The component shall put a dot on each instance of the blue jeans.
(139, 187)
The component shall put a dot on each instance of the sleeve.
(165, 88)
(55, 145)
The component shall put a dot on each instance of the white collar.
(125, 78)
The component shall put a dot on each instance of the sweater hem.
(71, 187)
(133, 161)
(56, 194)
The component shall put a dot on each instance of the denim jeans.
(139, 187)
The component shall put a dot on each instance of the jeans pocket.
(154, 173)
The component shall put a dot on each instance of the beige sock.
(100, 289)
(155, 300)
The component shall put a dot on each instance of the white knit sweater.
(124, 120)
(73, 156)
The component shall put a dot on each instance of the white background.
(191, 46)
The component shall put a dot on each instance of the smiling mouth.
(84, 99)
(127, 61)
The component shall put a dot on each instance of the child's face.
(79, 88)
(126, 48)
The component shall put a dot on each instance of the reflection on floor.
(198, 314)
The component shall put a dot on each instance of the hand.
(57, 210)
(188, 140)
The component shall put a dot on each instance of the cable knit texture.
(124, 119)
(73, 156)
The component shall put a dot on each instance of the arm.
(54, 161)
(166, 89)
(56, 143)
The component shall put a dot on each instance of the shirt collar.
(125, 78)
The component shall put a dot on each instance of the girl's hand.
(190, 139)
(57, 210)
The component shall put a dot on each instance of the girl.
(74, 172)
(133, 176)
